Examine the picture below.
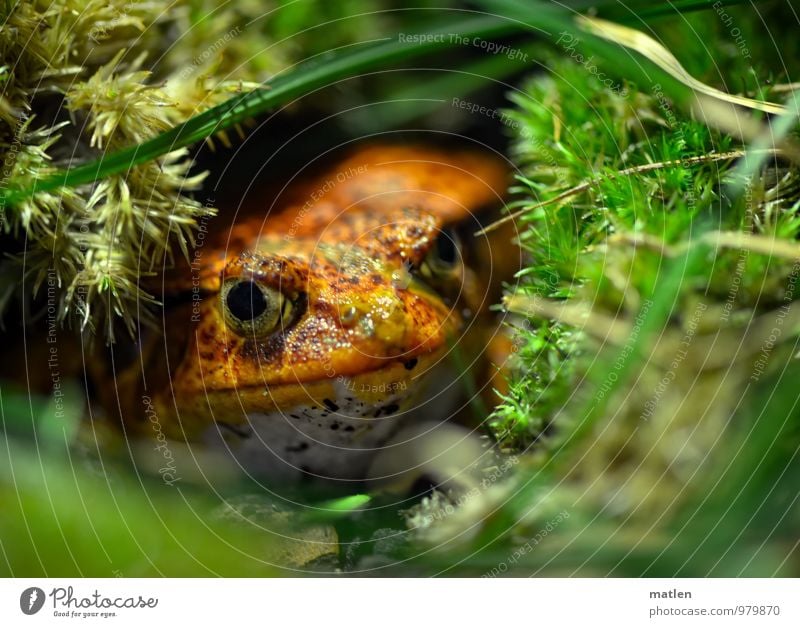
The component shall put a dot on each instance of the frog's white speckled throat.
(337, 440)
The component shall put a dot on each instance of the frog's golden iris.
(254, 309)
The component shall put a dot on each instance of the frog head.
(315, 329)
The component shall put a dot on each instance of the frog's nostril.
(246, 301)
(348, 316)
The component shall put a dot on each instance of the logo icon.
(31, 600)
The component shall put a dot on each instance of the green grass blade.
(308, 77)
(301, 81)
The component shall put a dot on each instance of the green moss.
(603, 246)
(81, 79)
(647, 424)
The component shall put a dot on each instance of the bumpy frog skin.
(359, 287)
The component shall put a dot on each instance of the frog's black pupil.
(446, 247)
(246, 301)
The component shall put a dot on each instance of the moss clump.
(82, 79)
(659, 329)
(606, 248)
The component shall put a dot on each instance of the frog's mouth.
(333, 428)
(370, 395)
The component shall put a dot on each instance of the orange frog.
(300, 339)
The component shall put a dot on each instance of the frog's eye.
(254, 309)
(444, 258)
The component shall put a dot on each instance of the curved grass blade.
(298, 82)
(313, 75)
